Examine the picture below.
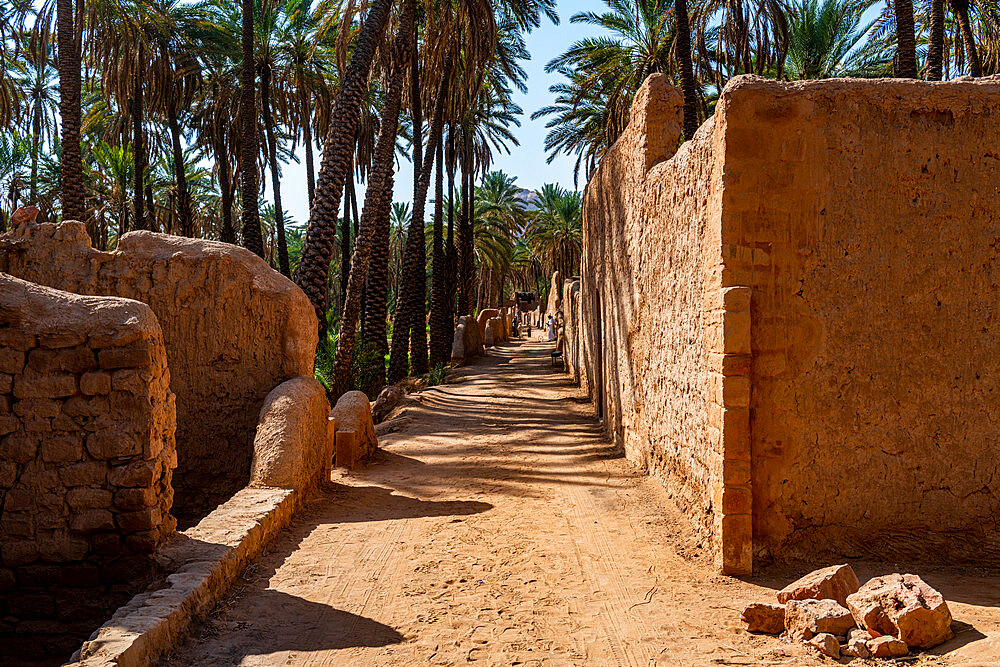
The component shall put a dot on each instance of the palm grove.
(175, 116)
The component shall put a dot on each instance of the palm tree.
(377, 198)
(577, 125)
(611, 67)
(500, 214)
(906, 43)
(69, 32)
(828, 39)
(35, 75)
(935, 41)
(320, 238)
(556, 228)
(409, 339)
(682, 49)
(961, 10)
(252, 238)
(14, 150)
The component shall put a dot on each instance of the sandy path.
(497, 527)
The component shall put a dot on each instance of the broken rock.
(826, 644)
(903, 606)
(835, 582)
(887, 647)
(806, 618)
(764, 617)
(857, 644)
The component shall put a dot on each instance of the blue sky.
(526, 162)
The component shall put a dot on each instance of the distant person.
(552, 328)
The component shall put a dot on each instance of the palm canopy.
(828, 39)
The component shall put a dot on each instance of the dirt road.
(499, 527)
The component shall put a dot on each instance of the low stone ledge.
(204, 560)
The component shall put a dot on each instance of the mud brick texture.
(86, 456)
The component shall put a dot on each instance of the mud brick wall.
(647, 304)
(86, 455)
(872, 257)
(792, 318)
(233, 328)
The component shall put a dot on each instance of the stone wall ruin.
(232, 327)
(86, 456)
(791, 318)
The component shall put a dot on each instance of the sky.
(526, 162)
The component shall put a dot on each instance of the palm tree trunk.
(451, 253)
(36, 147)
(228, 233)
(272, 158)
(180, 175)
(466, 240)
(935, 41)
(440, 347)
(686, 69)
(411, 306)
(906, 49)
(252, 238)
(378, 200)
(961, 10)
(71, 176)
(307, 139)
(345, 231)
(138, 145)
(320, 240)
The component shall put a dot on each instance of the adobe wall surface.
(873, 265)
(646, 277)
(86, 455)
(793, 319)
(233, 329)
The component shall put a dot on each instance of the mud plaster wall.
(874, 270)
(86, 454)
(859, 221)
(647, 253)
(233, 329)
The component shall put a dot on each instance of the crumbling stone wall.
(792, 317)
(86, 455)
(233, 329)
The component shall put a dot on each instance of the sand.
(498, 526)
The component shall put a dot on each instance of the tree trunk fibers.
(935, 41)
(377, 284)
(320, 240)
(961, 9)
(71, 176)
(686, 69)
(252, 238)
(272, 159)
(906, 49)
(378, 199)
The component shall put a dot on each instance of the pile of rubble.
(829, 610)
